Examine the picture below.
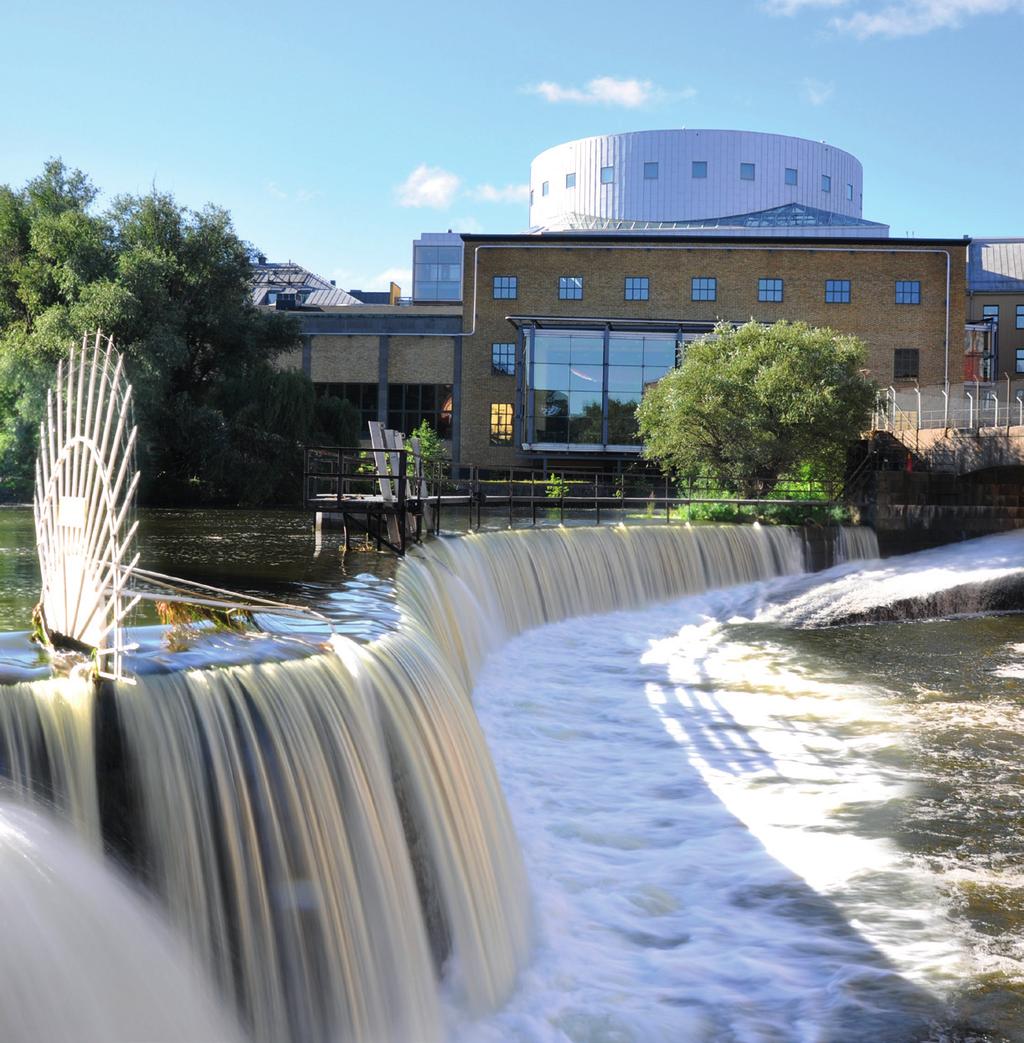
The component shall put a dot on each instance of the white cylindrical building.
(699, 180)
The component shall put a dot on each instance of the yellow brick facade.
(872, 269)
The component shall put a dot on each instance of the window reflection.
(576, 399)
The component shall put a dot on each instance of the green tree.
(217, 421)
(749, 405)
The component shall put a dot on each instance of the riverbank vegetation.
(219, 423)
(755, 404)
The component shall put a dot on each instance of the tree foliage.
(751, 404)
(218, 422)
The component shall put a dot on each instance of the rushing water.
(701, 821)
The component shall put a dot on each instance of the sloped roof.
(996, 265)
(317, 292)
(791, 215)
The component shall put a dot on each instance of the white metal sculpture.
(86, 481)
(86, 484)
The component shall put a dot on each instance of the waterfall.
(329, 833)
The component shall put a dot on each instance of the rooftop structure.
(714, 182)
(289, 285)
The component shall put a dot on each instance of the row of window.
(698, 170)
(705, 288)
(992, 311)
(408, 404)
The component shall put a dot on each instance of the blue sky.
(335, 132)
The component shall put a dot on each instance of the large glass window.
(837, 291)
(790, 175)
(503, 358)
(699, 168)
(570, 288)
(501, 423)
(607, 175)
(746, 171)
(908, 291)
(703, 288)
(574, 399)
(506, 287)
(410, 404)
(363, 396)
(769, 290)
(905, 363)
(650, 171)
(437, 273)
(638, 288)
(570, 180)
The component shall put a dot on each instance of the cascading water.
(330, 833)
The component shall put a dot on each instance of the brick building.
(562, 331)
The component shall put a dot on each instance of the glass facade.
(437, 273)
(908, 291)
(583, 386)
(410, 404)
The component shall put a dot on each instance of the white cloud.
(916, 17)
(817, 92)
(502, 193)
(900, 18)
(605, 90)
(428, 186)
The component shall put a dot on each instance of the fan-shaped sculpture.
(86, 482)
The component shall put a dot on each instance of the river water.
(735, 827)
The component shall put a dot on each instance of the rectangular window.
(1020, 360)
(501, 423)
(746, 171)
(1020, 316)
(703, 288)
(570, 180)
(410, 404)
(849, 191)
(837, 291)
(905, 363)
(364, 397)
(637, 287)
(570, 287)
(503, 358)
(650, 171)
(769, 290)
(607, 175)
(990, 311)
(790, 175)
(826, 183)
(908, 291)
(506, 287)
(699, 168)
(545, 187)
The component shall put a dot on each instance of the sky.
(335, 133)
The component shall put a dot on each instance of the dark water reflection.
(272, 554)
